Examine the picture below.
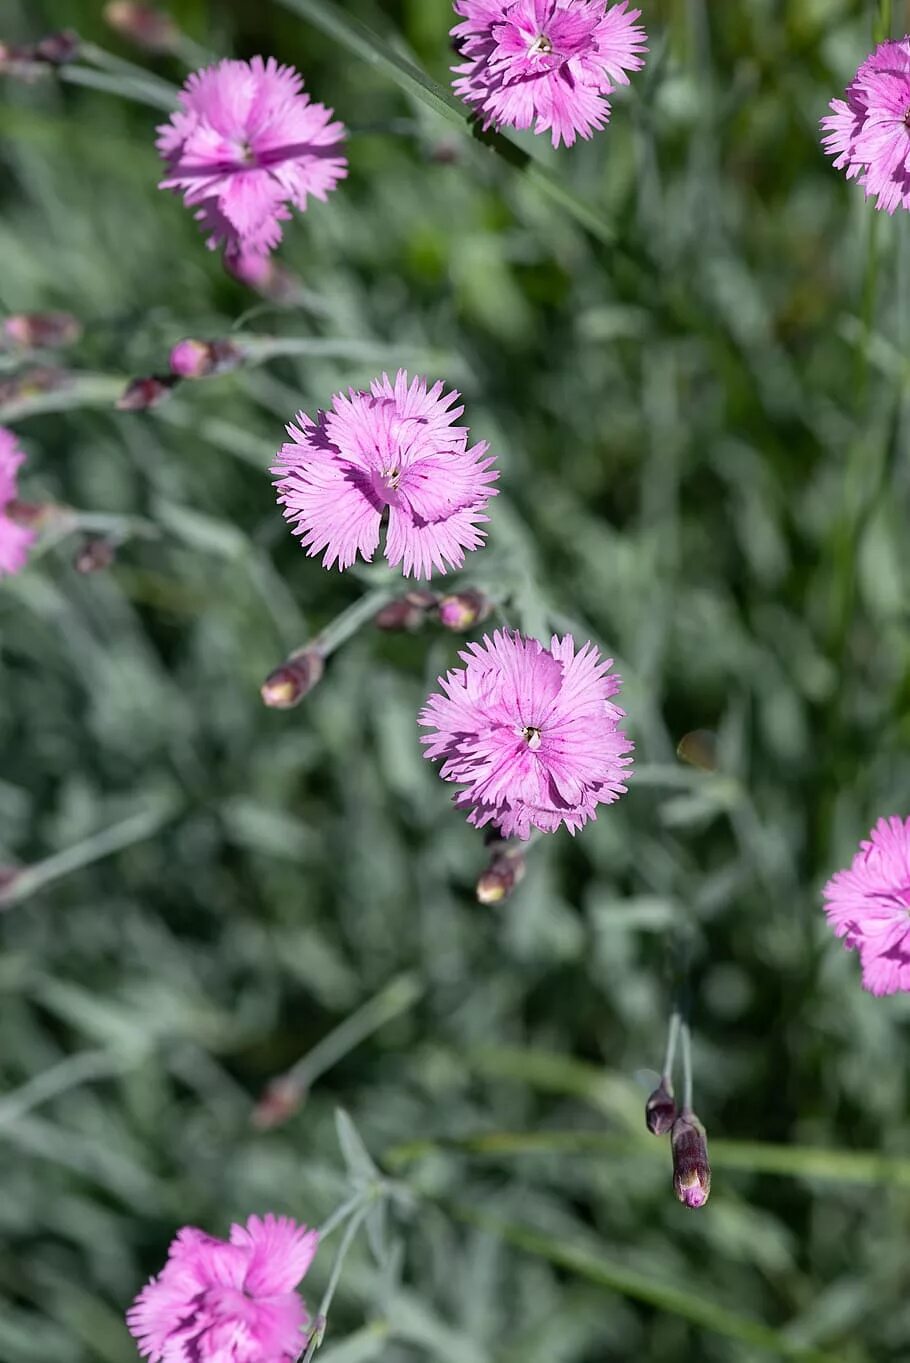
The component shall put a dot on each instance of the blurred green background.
(703, 437)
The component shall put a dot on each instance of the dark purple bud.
(660, 1109)
(192, 359)
(59, 48)
(140, 395)
(94, 555)
(41, 330)
(464, 610)
(691, 1170)
(406, 612)
(288, 684)
(501, 878)
(34, 515)
(143, 25)
(445, 153)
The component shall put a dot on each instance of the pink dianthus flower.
(868, 133)
(245, 144)
(227, 1302)
(532, 734)
(394, 452)
(15, 540)
(869, 906)
(546, 64)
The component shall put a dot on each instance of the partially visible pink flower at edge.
(245, 147)
(868, 132)
(15, 540)
(868, 904)
(549, 65)
(391, 455)
(232, 1301)
(531, 733)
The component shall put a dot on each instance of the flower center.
(541, 46)
(245, 153)
(390, 478)
(532, 738)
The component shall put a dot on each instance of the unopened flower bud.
(288, 684)
(279, 1100)
(140, 395)
(660, 1109)
(464, 610)
(34, 515)
(691, 1170)
(147, 27)
(262, 273)
(94, 555)
(41, 330)
(445, 153)
(8, 877)
(501, 878)
(58, 48)
(406, 612)
(191, 359)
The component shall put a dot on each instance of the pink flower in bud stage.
(868, 133)
(233, 1301)
(245, 145)
(15, 539)
(546, 64)
(394, 452)
(532, 734)
(869, 906)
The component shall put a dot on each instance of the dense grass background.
(704, 442)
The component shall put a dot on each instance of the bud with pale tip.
(691, 1170)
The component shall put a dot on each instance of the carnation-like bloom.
(869, 906)
(245, 145)
(227, 1302)
(532, 734)
(15, 540)
(546, 64)
(392, 453)
(868, 134)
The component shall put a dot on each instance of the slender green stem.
(672, 1038)
(347, 1240)
(119, 66)
(345, 625)
(396, 998)
(134, 829)
(261, 349)
(687, 1066)
(883, 22)
(63, 393)
(148, 91)
(364, 1197)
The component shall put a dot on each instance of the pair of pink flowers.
(248, 144)
(15, 539)
(532, 734)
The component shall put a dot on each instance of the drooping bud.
(660, 1109)
(191, 359)
(41, 330)
(502, 877)
(278, 1101)
(464, 610)
(58, 48)
(141, 395)
(146, 27)
(94, 555)
(699, 749)
(691, 1170)
(406, 612)
(288, 684)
